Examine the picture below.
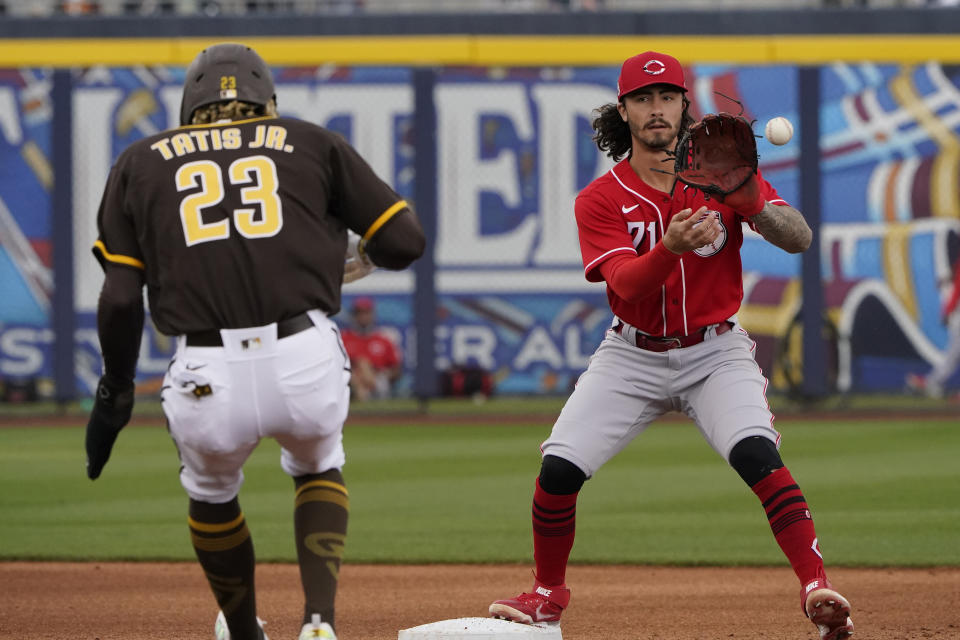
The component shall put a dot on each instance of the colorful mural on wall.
(514, 147)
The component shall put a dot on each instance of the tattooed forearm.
(784, 227)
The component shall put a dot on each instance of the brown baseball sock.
(320, 525)
(225, 551)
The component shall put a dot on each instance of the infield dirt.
(141, 601)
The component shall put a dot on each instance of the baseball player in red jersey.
(374, 358)
(237, 224)
(671, 262)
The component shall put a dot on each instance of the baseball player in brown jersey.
(671, 262)
(237, 224)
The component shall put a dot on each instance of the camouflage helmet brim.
(224, 72)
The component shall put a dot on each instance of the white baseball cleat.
(222, 632)
(316, 629)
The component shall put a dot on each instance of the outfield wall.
(507, 149)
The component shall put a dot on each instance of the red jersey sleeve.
(769, 194)
(602, 231)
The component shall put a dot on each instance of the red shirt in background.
(374, 346)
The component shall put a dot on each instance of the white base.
(481, 629)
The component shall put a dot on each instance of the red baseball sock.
(554, 522)
(791, 523)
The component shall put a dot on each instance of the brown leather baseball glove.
(718, 156)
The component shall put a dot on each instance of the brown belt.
(285, 328)
(658, 344)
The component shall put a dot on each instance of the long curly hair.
(613, 134)
(232, 110)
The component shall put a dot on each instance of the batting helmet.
(226, 71)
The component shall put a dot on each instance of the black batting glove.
(111, 412)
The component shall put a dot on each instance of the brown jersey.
(239, 224)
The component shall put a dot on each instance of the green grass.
(883, 493)
(783, 404)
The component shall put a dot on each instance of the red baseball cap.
(362, 304)
(649, 68)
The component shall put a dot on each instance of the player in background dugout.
(237, 224)
(933, 384)
(374, 357)
(671, 261)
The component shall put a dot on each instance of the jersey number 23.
(257, 178)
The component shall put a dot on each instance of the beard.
(655, 139)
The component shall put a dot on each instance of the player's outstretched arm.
(783, 226)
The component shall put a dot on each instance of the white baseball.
(779, 130)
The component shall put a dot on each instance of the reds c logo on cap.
(654, 67)
(647, 68)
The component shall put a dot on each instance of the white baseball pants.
(717, 383)
(220, 401)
